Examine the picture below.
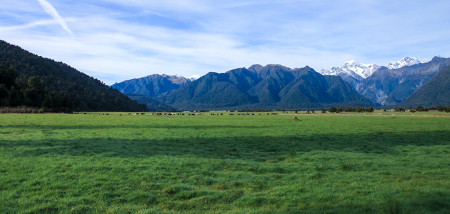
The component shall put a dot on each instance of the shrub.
(332, 109)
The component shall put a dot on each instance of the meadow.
(322, 163)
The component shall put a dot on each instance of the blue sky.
(115, 40)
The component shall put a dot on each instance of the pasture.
(322, 163)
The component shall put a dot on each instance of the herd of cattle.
(218, 114)
(182, 113)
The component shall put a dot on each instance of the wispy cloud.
(123, 39)
(52, 12)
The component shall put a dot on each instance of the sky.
(116, 40)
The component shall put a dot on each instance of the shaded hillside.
(211, 91)
(390, 87)
(151, 86)
(30, 80)
(152, 104)
(312, 90)
(268, 87)
(272, 79)
(435, 92)
(353, 80)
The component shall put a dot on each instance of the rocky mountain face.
(152, 86)
(407, 61)
(389, 87)
(352, 68)
(436, 92)
(391, 84)
(354, 72)
(264, 87)
(362, 71)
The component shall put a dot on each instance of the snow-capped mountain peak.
(406, 61)
(357, 70)
(351, 62)
(194, 77)
(352, 68)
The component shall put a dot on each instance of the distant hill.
(151, 86)
(390, 87)
(27, 79)
(264, 87)
(436, 92)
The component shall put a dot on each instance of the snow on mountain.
(191, 78)
(357, 70)
(194, 77)
(407, 61)
(352, 68)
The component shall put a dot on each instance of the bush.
(332, 110)
(399, 109)
(370, 109)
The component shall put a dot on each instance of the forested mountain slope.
(27, 79)
(264, 87)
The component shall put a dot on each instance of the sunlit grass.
(261, 163)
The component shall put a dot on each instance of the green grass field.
(224, 164)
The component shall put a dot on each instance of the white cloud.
(123, 39)
(28, 25)
(52, 12)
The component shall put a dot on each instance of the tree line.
(420, 109)
(358, 109)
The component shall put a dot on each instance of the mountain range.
(264, 87)
(277, 86)
(390, 87)
(361, 71)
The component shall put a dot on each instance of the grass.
(224, 164)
